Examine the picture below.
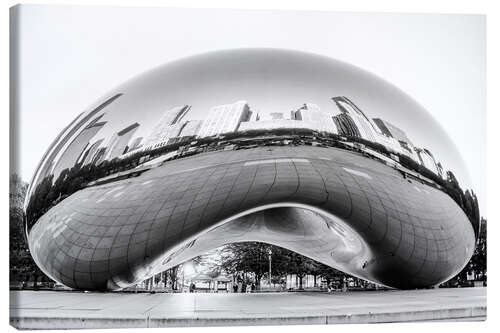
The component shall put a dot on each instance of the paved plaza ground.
(60, 309)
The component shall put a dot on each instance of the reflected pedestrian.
(240, 286)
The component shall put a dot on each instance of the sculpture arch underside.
(340, 208)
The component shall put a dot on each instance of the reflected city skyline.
(271, 81)
(350, 121)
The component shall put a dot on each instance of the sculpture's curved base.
(340, 208)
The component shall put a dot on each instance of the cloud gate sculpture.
(282, 147)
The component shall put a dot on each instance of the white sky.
(71, 56)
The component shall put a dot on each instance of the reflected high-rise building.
(346, 126)
(270, 124)
(90, 153)
(55, 147)
(391, 131)
(354, 122)
(69, 131)
(321, 121)
(427, 160)
(440, 169)
(191, 128)
(135, 144)
(367, 130)
(255, 116)
(119, 141)
(309, 116)
(76, 148)
(99, 156)
(225, 119)
(168, 126)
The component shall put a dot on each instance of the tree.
(477, 263)
(331, 275)
(478, 260)
(172, 276)
(301, 266)
(22, 265)
(245, 257)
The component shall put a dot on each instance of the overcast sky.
(71, 56)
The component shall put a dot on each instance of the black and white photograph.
(190, 167)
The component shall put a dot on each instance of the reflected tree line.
(50, 192)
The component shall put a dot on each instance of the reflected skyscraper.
(225, 118)
(168, 126)
(309, 116)
(321, 121)
(367, 130)
(90, 153)
(346, 126)
(119, 141)
(391, 131)
(76, 148)
(427, 159)
(99, 156)
(49, 158)
(135, 144)
(191, 128)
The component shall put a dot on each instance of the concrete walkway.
(59, 309)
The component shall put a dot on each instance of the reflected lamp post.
(270, 252)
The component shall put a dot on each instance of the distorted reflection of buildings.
(427, 160)
(119, 141)
(308, 116)
(392, 131)
(320, 120)
(353, 122)
(191, 128)
(168, 126)
(366, 129)
(89, 154)
(346, 126)
(225, 119)
(76, 148)
(263, 123)
(172, 128)
(50, 158)
(135, 144)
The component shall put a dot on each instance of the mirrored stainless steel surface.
(283, 147)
